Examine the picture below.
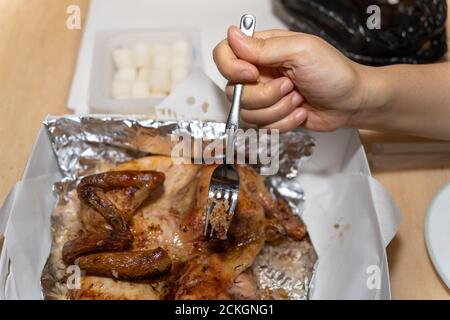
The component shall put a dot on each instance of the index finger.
(231, 67)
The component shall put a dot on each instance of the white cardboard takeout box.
(350, 217)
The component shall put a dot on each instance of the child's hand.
(291, 79)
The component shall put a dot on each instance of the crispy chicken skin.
(128, 189)
(132, 265)
(116, 196)
(244, 287)
(157, 220)
(89, 243)
(280, 221)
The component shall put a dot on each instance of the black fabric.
(411, 31)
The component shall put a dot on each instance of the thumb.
(268, 52)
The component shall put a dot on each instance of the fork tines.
(226, 197)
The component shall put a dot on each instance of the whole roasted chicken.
(137, 233)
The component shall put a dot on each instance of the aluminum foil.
(286, 270)
(84, 145)
(81, 143)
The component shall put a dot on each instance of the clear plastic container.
(103, 68)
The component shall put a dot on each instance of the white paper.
(28, 235)
(196, 98)
(350, 217)
(343, 223)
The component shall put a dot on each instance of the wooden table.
(38, 55)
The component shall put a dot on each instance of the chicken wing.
(116, 196)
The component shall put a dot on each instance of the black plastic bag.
(407, 31)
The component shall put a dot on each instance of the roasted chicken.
(141, 226)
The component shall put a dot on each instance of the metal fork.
(224, 184)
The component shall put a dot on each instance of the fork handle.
(247, 26)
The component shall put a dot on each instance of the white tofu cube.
(141, 55)
(123, 58)
(181, 47)
(160, 81)
(181, 60)
(140, 89)
(160, 49)
(121, 89)
(161, 61)
(143, 74)
(125, 74)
